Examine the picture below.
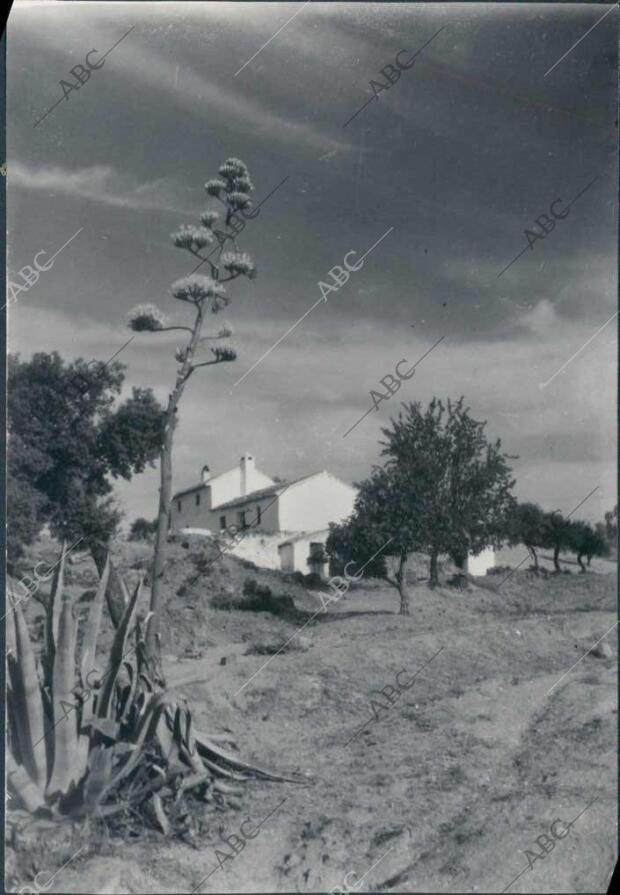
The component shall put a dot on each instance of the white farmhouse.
(286, 523)
(283, 525)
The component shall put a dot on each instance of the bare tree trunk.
(580, 561)
(165, 496)
(434, 576)
(534, 556)
(556, 554)
(401, 580)
(161, 539)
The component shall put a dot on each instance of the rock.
(602, 650)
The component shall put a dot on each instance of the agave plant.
(87, 740)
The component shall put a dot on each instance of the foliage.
(459, 483)
(141, 529)
(444, 488)
(608, 530)
(586, 541)
(558, 535)
(527, 525)
(86, 741)
(66, 439)
(532, 526)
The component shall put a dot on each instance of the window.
(179, 505)
(258, 515)
(241, 519)
(222, 523)
(198, 500)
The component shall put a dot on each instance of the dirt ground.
(501, 727)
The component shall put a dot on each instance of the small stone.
(602, 650)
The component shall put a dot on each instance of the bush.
(459, 581)
(312, 580)
(142, 530)
(499, 570)
(256, 598)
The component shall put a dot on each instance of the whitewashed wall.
(312, 504)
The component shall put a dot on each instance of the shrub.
(256, 598)
(142, 530)
(499, 570)
(114, 743)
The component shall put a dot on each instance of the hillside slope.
(505, 727)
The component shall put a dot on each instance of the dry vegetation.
(492, 742)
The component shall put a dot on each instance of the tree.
(67, 438)
(558, 535)
(611, 523)
(458, 483)
(586, 541)
(141, 529)
(526, 526)
(444, 489)
(381, 525)
(202, 294)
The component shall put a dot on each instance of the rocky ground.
(504, 724)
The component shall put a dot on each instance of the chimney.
(247, 467)
(205, 474)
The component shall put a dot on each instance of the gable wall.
(314, 503)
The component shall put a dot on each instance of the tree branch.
(206, 363)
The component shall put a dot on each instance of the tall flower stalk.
(205, 294)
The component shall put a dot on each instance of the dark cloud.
(459, 158)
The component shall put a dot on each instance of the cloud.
(293, 410)
(220, 97)
(101, 183)
(542, 319)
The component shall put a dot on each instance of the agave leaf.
(194, 780)
(52, 620)
(21, 784)
(129, 705)
(169, 745)
(220, 786)
(117, 653)
(144, 731)
(89, 648)
(68, 759)
(116, 595)
(187, 743)
(98, 777)
(158, 815)
(220, 771)
(104, 726)
(30, 704)
(209, 750)
(16, 716)
(11, 599)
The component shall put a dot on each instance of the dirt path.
(445, 791)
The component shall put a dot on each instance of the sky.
(440, 177)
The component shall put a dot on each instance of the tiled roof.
(278, 488)
(190, 490)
